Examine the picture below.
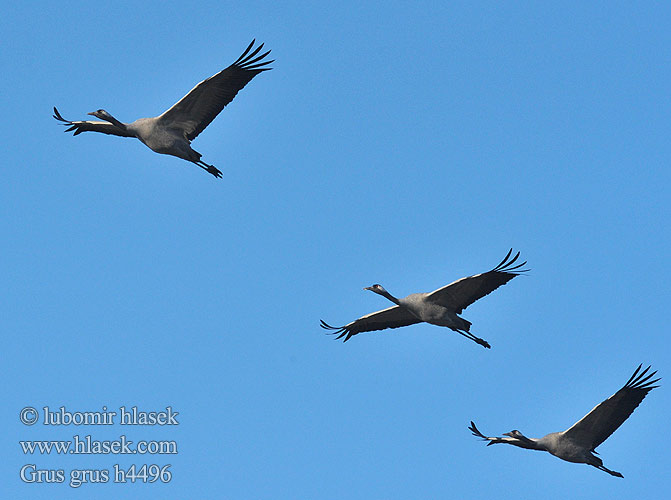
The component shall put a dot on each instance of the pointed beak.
(92, 113)
(369, 288)
(510, 434)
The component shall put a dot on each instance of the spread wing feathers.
(199, 107)
(492, 440)
(87, 126)
(392, 317)
(604, 419)
(462, 293)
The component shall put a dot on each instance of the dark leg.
(209, 168)
(475, 339)
(611, 472)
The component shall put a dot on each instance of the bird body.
(171, 133)
(422, 307)
(440, 307)
(562, 446)
(578, 443)
(162, 139)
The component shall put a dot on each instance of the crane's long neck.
(116, 122)
(528, 443)
(386, 294)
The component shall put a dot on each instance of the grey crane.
(172, 132)
(440, 307)
(578, 443)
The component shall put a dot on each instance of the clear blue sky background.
(394, 143)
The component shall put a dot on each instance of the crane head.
(521, 440)
(514, 434)
(101, 113)
(375, 288)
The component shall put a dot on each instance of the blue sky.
(408, 145)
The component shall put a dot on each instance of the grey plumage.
(440, 307)
(577, 444)
(171, 133)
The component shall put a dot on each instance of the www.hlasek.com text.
(89, 446)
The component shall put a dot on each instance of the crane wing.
(88, 126)
(392, 317)
(604, 419)
(463, 292)
(492, 440)
(205, 101)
